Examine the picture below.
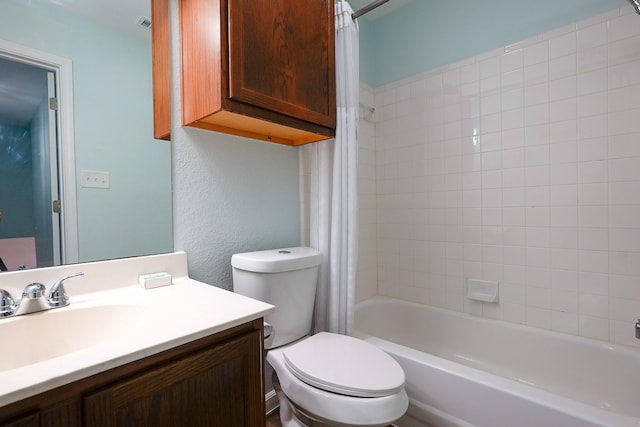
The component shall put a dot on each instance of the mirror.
(112, 132)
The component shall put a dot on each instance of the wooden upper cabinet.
(161, 67)
(263, 69)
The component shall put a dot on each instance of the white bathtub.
(466, 371)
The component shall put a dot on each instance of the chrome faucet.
(7, 304)
(34, 299)
(58, 296)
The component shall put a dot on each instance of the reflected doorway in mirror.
(37, 155)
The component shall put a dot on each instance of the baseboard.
(271, 402)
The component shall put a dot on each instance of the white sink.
(111, 321)
(41, 336)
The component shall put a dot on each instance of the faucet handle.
(33, 291)
(58, 297)
(7, 304)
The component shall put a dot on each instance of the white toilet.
(325, 379)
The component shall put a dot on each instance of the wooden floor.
(273, 420)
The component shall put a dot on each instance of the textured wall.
(230, 194)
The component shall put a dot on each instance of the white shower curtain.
(331, 168)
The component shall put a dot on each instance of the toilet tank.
(285, 278)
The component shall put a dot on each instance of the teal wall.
(426, 34)
(113, 121)
(16, 182)
(367, 52)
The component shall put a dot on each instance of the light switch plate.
(94, 179)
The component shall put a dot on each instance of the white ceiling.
(121, 15)
(22, 89)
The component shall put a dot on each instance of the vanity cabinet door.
(31, 420)
(259, 69)
(218, 386)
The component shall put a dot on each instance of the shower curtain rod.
(368, 8)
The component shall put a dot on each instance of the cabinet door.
(281, 57)
(219, 386)
(31, 420)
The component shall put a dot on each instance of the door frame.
(63, 68)
(54, 173)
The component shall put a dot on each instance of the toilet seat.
(344, 365)
(332, 407)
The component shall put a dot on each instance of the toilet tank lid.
(277, 260)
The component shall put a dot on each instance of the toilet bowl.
(321, 380)
(366, 388)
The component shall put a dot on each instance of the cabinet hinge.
(57, 207)
(53, 104)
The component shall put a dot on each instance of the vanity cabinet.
(29, 420)
(214, 381)
(259, 69)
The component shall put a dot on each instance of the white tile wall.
(520, 165)
(367, 279)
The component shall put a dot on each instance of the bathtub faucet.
(638, 329)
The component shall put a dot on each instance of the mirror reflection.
(109, 195)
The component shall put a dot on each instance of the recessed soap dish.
(482, 290)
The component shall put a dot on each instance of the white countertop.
(163, 318)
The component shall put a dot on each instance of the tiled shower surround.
(520, 165)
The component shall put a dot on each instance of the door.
(46, 211)
(30, 230)
(54, 208)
